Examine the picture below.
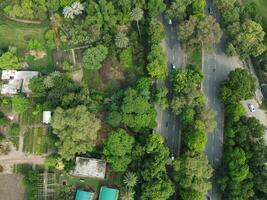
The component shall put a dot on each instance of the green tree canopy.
(9, 61)
(93, 57)
(117, 149)
(240, 85)
(20, 103)
(192, 173)
(77, 130)
(137, 112)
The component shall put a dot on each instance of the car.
(170, 22)
(173, 66)
(172, 156)
(251, 107)
(210, 11)
(208, 198)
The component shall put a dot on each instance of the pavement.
(167, 121)
(216, 67)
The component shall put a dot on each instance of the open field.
(11, 187)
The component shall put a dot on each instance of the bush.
(126, 57)
(20, 104)
(14, 130)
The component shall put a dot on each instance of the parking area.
(260, 114)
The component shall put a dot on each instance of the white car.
(251, 107)
(172, 156)
(170, 21)
(173, 66)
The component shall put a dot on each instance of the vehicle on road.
(172, 156)
(208, 198)
(210, 11)
(251, 107)
(170, 22)
(173, 66)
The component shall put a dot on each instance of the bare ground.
(11, 187)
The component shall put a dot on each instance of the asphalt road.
(216, 66)
(167, 121)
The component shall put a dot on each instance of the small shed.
(46, 117)
(107, 193)
(83, 195)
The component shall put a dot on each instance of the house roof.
(89, 167)
(83, 195)
(16, 81)
(46, 117)
(107, 193)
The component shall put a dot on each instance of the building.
(89, 167)
(16, 81)
(107, 193)
(46, 117)
(83, 195)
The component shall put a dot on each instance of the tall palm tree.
(137, 15)
(121, 40)
(130, 179)
(127, 194)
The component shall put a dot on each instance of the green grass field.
(18, 34)
(27, 118)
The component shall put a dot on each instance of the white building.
(46, 117)
(89, 167)
(16, 81)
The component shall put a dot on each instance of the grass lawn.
(18, 35)
(35, 140)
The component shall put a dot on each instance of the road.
(167, 121)
(216, 66)
(21, 159)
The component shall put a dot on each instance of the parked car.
(210, 11)
(172, 156)
(170, 22)
(251, 107)
(173, 66)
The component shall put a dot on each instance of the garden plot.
(35, 140)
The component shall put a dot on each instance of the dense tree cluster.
(245, 34)
(243, 169)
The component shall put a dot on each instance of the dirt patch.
(11, 187)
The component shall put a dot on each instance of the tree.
(177, 9)
(137, 112)
(200, 32)
(37, 87)
(195, 141)
(75, 9)
(114, 118)
(198, 7)
(240, 85)
(121, 40)
(117, 149)
(160, 188)
(20, 104)
(93, 57)
(126, 57)
(9, 61)
(207, 115)
(156, 32)
(155, 7)
(130, 179)
(192, 173)
(224, 5)
(77, 130)
(161, 98)
(127, 194)
(157, 66)
(137, 15)
(250, 39)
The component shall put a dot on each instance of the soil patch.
(11, 187)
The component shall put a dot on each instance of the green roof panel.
(82, 195)
(108, 194)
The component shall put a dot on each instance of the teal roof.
(83, 195)
(108, 194)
